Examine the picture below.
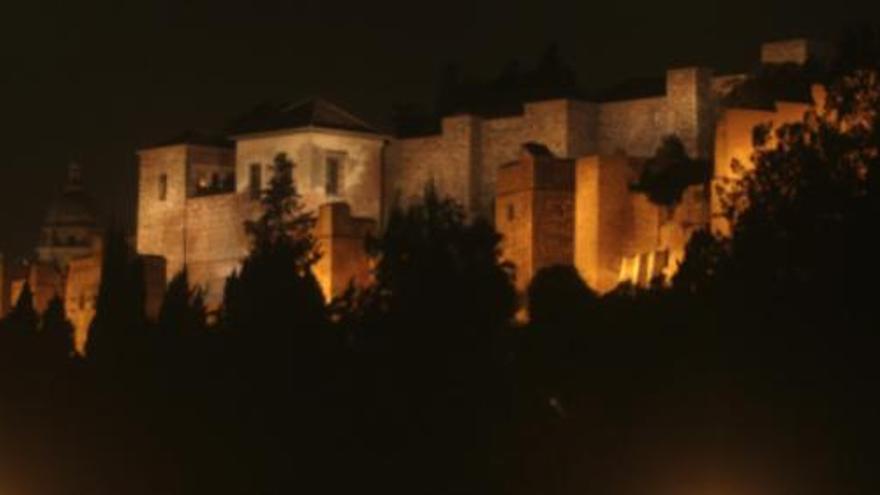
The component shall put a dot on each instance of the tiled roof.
(315, 112)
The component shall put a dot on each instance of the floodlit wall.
(534, 214)
(341, 240)
(358, 158)
(734, 146)
(464, 159)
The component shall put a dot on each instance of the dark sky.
(89, 81)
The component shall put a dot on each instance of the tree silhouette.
(18, 332)
(183, 311)
(431, 329)
(23, 318)
(117, 333)
(56, 333)
(275, 290)
(669, 172)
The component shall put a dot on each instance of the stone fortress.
(556, 178)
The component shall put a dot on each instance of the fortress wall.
(447, 159)
(637, 127)
(644, 234)
(514, 218)
(602, 218)
(342, 242)
(633, 127)
(81, 295)
(691, 107)
(463, 160)
(160, 222)
(582, 127)
(534, 214)
(360, 175)
(216, 241)
(83, 284)
(545, 122)
(794, 51)
(734, 142)
(553, 234)
(689, 216)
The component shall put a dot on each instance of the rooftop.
(314, 112)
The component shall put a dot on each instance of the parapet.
(537, 168)
(794, 51)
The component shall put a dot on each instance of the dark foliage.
(776, 82)
(504, 94)
(117, 335)
(669, 172)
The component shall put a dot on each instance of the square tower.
(534, 212)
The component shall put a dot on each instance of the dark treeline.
(754, 371)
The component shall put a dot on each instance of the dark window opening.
(256, 180)
(332, 184)
(163, 187)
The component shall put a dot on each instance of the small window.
(511, 212)
(332, 183)
(256, 180)
(163, 187)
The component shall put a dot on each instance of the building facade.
(556, 178)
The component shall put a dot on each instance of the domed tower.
(70, 230)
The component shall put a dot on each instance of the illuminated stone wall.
(634, 127)
(734, 143)
(603, 218)
(216, 241)
(637, 127)
(534, 213)
(450, 160)
(83, 281)
(360, 158)
(44, 280)
(463, 160)
(794, 51)
(160, 219)
(80, 297)
(205, 233)
(342, 243)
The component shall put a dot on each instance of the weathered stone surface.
(534, 213)
(342, 244)
(360, 173)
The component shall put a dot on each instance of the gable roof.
(314, 112)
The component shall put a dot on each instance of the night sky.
(90, 81)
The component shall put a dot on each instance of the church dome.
(73, 207)
(70, 230)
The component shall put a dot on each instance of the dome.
(70, 230)
(73, 207)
